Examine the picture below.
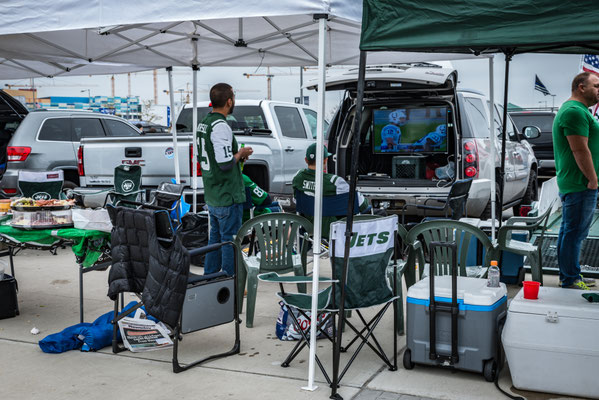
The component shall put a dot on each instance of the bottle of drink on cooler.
(493, 275)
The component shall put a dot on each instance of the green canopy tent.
(479, 27)
(476, 27)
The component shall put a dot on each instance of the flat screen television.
(410, 130)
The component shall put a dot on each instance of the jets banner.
(371, 249)
(373, 236)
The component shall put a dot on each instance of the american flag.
(590, 63)
(540, 87)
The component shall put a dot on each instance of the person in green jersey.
(224, 191)
(258, 198)
(304, 181)
(576, 148)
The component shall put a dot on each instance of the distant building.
(124, 107)
(25, 96)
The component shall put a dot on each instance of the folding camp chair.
(275, 236)
(363, 285)
(455, 202)
(41, 185)
(332, 206)
(150, 261)
(167, 196)
(127, 183)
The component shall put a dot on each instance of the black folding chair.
(147, 255)
(455, 202)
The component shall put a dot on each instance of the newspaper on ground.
(144, 335)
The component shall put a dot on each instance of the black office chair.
(456, 202)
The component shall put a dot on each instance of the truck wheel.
(490, 370)
(407, 359)
(68, 185)
(531, 194)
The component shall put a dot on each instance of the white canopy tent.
(49, 38)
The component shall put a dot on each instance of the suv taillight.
(470, 159)
(191, 162)
(18, 153)
(80, 169)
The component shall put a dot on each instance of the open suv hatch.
(419, 134)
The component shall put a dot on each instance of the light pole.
(552, 102)
(89, 97)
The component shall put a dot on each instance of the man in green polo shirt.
(224, 191)
(576, 148)
(304, 181)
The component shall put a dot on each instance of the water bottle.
(493, 275)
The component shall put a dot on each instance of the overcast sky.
(555, 71)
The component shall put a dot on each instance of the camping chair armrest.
(276, 278)
(209, 248)
(424, 206)
(529, 221)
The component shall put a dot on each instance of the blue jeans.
(224, 223)
(577, 215)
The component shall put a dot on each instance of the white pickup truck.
(278, 132)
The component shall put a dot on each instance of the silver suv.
(49, 140)
(419, 134)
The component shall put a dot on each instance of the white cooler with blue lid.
(481, 308)
(552, 343)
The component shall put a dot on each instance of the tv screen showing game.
(410, 130)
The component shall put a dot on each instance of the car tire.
(531, 194)
(67, 186)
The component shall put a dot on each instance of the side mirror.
(531, 132)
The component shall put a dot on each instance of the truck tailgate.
(154, 154)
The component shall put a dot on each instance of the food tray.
(40, 208)
(42, 219)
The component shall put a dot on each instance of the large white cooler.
(552, 344)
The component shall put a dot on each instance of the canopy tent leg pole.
(194, 144)
(350, 217)
(492, 138)
(508, 57)
(322, 32)
(169, 70)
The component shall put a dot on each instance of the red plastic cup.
(531, 290)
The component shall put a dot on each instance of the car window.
(87, 127)
(510, 131)
(312, 119)
(243, 117)
(118, 128)
(478, 116)
(543, 122)
(56, 129)
(291, 122)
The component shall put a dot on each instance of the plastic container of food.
(42, 217)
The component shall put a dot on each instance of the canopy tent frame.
(128, 41)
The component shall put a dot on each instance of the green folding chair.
(127, 183)
(41, 185)
(364, 285)
(275, 237)
(530, 250)
(422, 235)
